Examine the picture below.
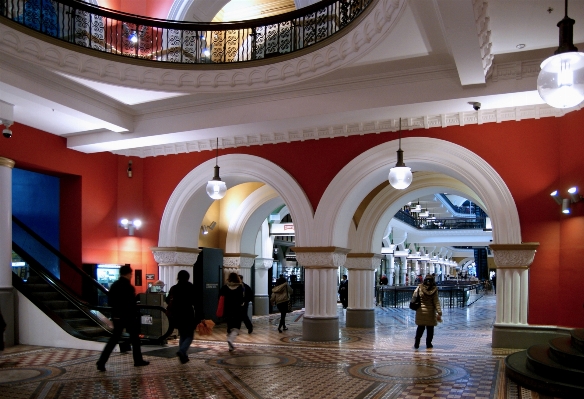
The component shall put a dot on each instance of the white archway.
(195, 10)
(360, 176)
(189, 201)
(251, 213)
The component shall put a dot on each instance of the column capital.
(238, 261)
(514, 256)
(175, 256)
(321, 257)
(263, 263)
(9, 163)
(363, 261)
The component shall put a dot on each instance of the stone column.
(361, 267)
(390, 278)
(171, 260)
(403, 271)
(431, 269)
(512, 261)
(6, 290)
(262, 299)
(321, 322)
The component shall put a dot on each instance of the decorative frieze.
(263, 263)
(321, 257)
(175, 256)
(363, 261)
(514, 256)
(237, 261)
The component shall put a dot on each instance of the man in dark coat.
(247, 298)
(181, 312)
(122, 299)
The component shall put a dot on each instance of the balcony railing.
(441, 224)
(128, 35)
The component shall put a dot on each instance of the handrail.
(153, 39)
(476, 223)
(62, 258)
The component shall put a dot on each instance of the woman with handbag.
(233, 301)
(281, 297)
(429, 312)
(181, 313)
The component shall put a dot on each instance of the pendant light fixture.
(561, 80)
(400, 176)
(216, 188)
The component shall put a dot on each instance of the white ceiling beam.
(461, 34)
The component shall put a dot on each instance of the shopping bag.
(205, 327)
(220, 306)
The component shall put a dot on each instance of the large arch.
(251, 213)
(385, 205)
(189, 201)
(360, 176)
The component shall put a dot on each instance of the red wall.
(534, 157)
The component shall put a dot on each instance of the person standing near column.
(247, 297)
(429, 312)
(122, 299)
(344, 291)
(181, 302)
(281, 297)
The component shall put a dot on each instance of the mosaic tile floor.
(376, 363)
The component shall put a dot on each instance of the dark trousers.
(245, 317)
(429, 336)
(344, 300)
(283, 308)
(131, 327)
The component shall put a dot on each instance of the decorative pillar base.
(9, 312)
(360, 318)
(523, 336)
(261, 305)
(321, 329)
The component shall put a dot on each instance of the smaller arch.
(242, 231)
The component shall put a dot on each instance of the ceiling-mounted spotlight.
(205, 229)
(400, 176)
(566, 205)
(216, 188)
(556, 196)
(130, 225)
(574, 195)
(561, 80)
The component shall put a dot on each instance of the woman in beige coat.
(281, 296)
(429, 312)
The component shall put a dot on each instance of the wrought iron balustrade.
(154, 39)
(440, 224)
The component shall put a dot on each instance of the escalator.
(72, 299)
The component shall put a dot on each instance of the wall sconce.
(565, 203)
(205, 229)
(130, 225)
(129, 170)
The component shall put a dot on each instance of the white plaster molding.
(515, 256)
(365, 172)
(350, 45)
(238, 261)
(263, 263)
(484, 33)
(321, 257)
(173, 256)
(362, 261)
(189, 201)
(354, 129)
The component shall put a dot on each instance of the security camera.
(7, 133)
(476, 105)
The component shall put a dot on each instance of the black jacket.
(181, 302)
(122, 299)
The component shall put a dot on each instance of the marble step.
(578, 338)
(539, 360)
(563, 352)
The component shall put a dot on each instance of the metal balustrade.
(441, 224)
(458, 296)
(128, 35)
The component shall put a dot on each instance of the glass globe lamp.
(400, 177)
(216, 188)
(561, 80)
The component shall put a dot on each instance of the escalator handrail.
(83, 306)
(58, 254)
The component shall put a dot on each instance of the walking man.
(344, 291)
(122, 299)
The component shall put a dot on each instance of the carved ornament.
(514, 256)
(175, 256)
(321, 257)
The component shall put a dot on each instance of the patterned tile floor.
(375, 363)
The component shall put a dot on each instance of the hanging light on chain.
(216, 188)
(400, 176)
